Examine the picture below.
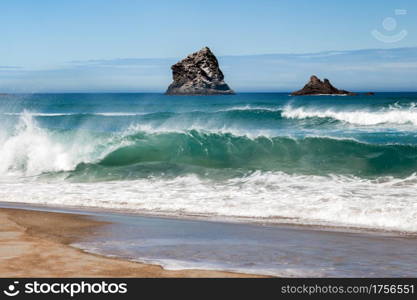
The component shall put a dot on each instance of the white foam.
(30, 150)
(118, 114)
(391, 115)
(249, 107)
(386, 203)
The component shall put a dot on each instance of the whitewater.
(328, 161)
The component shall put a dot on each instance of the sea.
(344, 162)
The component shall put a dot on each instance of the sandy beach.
(37, 244)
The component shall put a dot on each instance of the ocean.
(339, 161)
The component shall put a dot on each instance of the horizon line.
(163, 93)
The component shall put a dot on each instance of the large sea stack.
(198, 74)
(317, 87)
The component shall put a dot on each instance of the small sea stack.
(317, 87)
(198, 74)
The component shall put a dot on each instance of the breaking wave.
(394, 114)
(144, 151)
(300, 163)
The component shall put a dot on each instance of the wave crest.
(393, 114)
(145, 151)
(207, 153)
(30, 150)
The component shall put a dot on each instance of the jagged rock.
(317, 87)
(198, 74)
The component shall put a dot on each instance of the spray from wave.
(30, 150)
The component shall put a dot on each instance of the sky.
(129, 45)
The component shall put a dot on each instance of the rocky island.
(317, 87)
(198, 74)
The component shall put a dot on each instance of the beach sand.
(37, 244)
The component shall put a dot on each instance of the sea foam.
(391, 115)
(385, 203)
(30, 150)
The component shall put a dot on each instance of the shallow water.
(251, 248)
(269, 250)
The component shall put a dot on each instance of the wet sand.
(37, 244)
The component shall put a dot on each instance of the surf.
(274, 197)
(326, 162)
(32, 150)
(391, 115)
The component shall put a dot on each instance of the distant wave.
(313, 116)
(394, 114)
(250, 107)
(106, 114)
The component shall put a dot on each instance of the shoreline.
(283, 222)
(37, 244)
(61, 242)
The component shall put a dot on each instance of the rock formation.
(317, 87)
(198, 74)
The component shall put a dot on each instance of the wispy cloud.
(10, 68)
(369, 69)
(123, 62)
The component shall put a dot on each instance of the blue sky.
(97, 45)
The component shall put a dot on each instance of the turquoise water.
(341, 161)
